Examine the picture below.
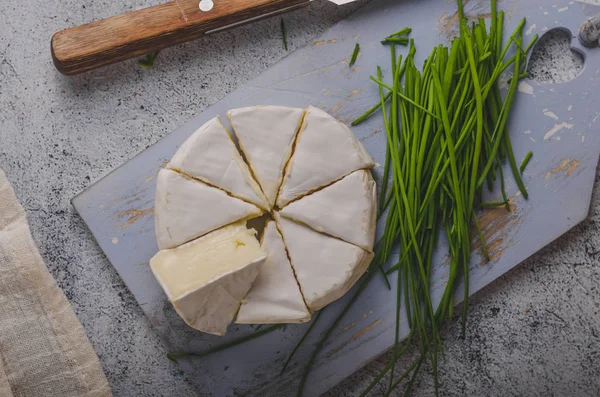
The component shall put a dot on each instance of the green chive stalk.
(178, 355)
(283, 33)
(354, 55)
(525, 162)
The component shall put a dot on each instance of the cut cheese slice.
(326, 267)
(346, 210)
(207, 278)
(325, 151)
(211, 156)
(266, 135)
(186, 208)
(274, 297)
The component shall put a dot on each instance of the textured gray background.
(535, 331)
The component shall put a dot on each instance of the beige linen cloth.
(44, 351)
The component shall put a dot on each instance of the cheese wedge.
(186, 208)
(266, 136)
(326, 267)
(326, 150)
(275, 297)
(207, 278)
(210, 155)
(346, 210)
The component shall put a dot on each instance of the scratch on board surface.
(512, 199)
(525, 88)
(341, 347)
(133, 216)
(371, 135)
(349, 326)
(133, 200)
(321, 42)
(364, 341)
(495, 223)
(366, 329)
(497, 251)
(493, 246)
(336, 350)
(113, 202)
(130, 197)
(555, 129)
(550, 114)
(323, 69)
(568, 165)
(151, 178)
(356, 92)
(337, 107)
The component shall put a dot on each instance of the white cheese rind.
(210, 155)
(186, 209)
(207, 278)
(325, 151)
(266, 136)
(275, 297)
(326, 267)
(346, 209)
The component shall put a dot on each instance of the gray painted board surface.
(555, 121)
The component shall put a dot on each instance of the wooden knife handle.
(136, 33)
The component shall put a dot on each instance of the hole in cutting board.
(553, 60)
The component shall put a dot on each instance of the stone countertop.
(535, 331)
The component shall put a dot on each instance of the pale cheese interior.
(193, 265)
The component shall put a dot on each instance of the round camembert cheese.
(307, 175)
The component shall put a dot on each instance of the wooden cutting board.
(556, 121)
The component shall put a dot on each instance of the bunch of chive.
(447, 136)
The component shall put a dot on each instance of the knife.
(100, 43)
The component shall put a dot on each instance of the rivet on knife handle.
(136, 33)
